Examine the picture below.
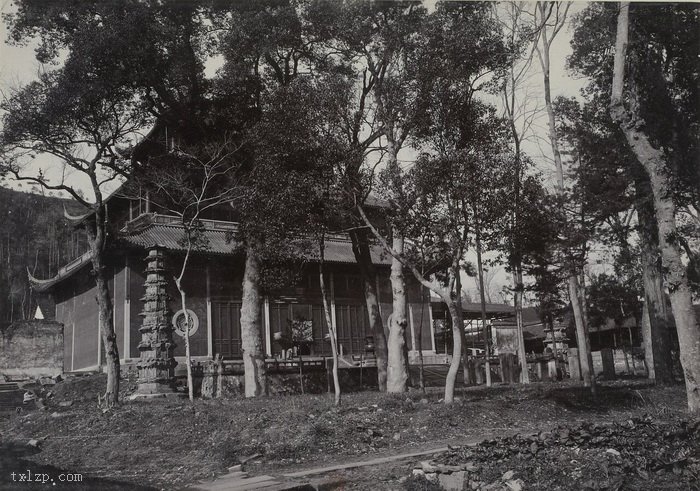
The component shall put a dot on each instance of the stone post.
(156, 365)
(574, 364)
(608, 359)
(553, 371)
(542, 370)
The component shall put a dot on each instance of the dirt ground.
(170, 444)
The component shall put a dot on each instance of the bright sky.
(19, 66)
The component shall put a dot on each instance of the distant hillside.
(34, 234)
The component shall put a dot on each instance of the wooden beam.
(127, 309)
(210, 329)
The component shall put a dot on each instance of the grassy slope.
(171, 443)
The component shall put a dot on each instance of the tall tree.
(550, 18)
(654, 160)
(385, 39)
(436, 211)
(186, 183)
(520, 110)
(62, 115)
(269, 53)
(611, 186)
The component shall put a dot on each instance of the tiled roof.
(169, 236)
(340, 251)
(172, 237)
(491, 308)
(472, 310)
(64, 272)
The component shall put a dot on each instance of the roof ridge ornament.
(75, 218)
(37, 281)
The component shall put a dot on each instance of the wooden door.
(226, 328)
(353, 327)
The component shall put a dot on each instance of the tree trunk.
(397, 376)
(466, 374)
(589, 355)
(555, 350)
(647, 343)
(581, 332)
(421, 369)
(581, 328)
(188, 356)
(656, 322)
(653, 161)
(676, 274)
(456, 317)
(331, 327)
(518, 305)
(109, 338)
(106, 309)
(360, 248)
(251, 327)
(627, 363)
(482, 295)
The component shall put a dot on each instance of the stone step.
(240, 484)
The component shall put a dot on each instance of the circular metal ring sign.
(179, 323)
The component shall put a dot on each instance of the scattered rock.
(427, 466)
(397, 436)
(612, 451)
(453, 481)
(424, 401)
(33, 443)
(243, 460)
(515, 485)
(65, 403)
(508, 475)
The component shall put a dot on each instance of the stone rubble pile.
(585, 456)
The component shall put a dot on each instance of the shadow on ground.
(606, 398)
(29, 475)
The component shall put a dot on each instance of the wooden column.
(266, 321)
(432, 325)
(333, 318)
(127, 310)
(210, 333)
(413, 327)
(99, 342)
(156, 365)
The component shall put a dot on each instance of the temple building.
(145, 249)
